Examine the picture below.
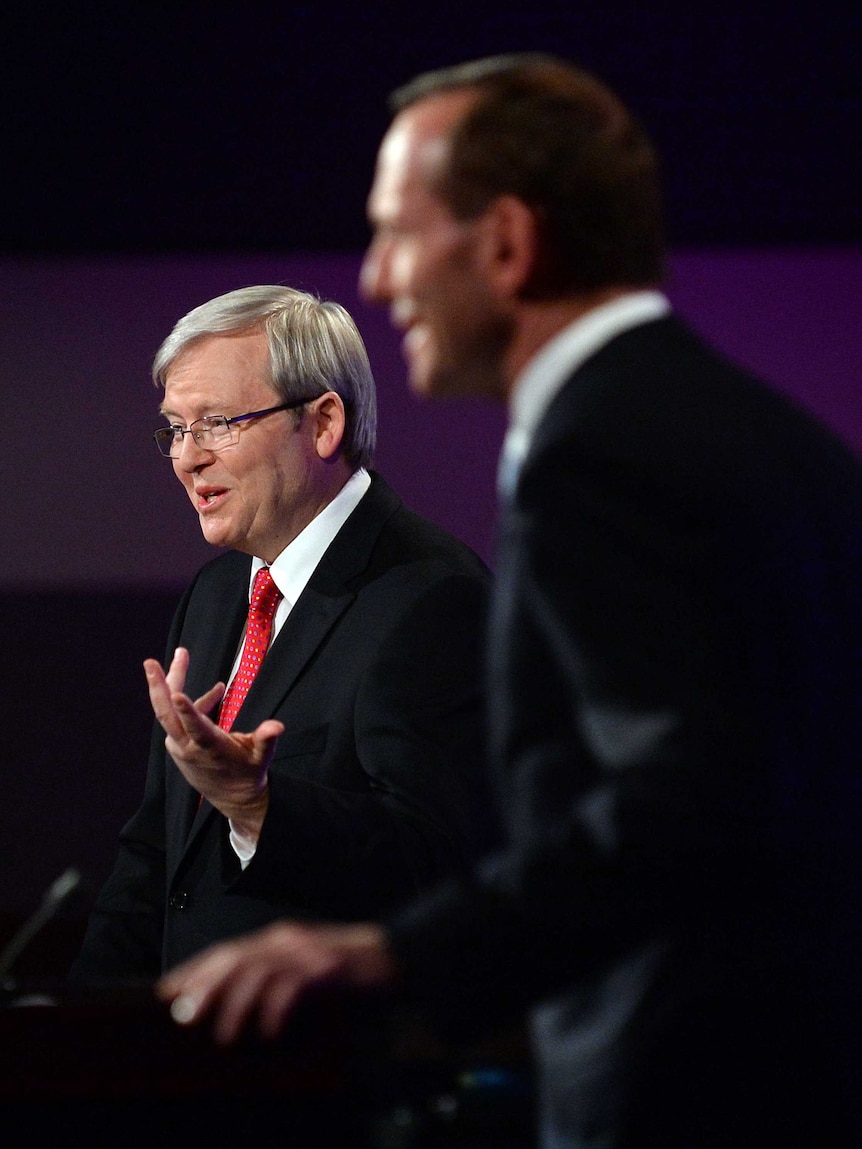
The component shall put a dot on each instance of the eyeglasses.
(213, 432)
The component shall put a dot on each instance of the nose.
(374, 276)
(191, 455)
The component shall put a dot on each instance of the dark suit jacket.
(676, 724)
(374, 783)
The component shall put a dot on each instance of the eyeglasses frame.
(158, 434)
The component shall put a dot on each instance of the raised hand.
(229, 769)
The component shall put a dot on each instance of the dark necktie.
(261, 611)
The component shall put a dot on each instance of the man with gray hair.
(336, 774)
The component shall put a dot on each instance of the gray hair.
(314, 346)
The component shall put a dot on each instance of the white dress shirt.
(547, 371)
(291, 571)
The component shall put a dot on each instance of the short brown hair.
(561, 141)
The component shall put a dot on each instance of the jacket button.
(179, 900)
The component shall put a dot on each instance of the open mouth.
(209, 496)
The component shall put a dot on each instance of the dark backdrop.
(188, 126)
(155, 154)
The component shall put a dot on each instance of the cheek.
(457, 309)
(264, 487)
(182, 476)
(402, 268)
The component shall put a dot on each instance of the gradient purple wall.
(99, 539)
(89, 503)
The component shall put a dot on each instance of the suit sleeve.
(630, 690)
(124, 930)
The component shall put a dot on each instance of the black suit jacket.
(676, 725)
(374, 785)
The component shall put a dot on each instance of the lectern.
(111, 1070)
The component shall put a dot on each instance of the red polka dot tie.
(261, 611)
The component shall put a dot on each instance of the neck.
(328, 481)
(539, 321)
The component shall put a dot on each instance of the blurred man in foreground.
(674, 662)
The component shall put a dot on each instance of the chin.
(421, 387)
(445, 385)
(216, 539)
(428, 382)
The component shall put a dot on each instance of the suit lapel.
(304, 629)
(330, 591)
(212, 632)
(218, 630)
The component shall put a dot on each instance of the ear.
(513, 246)
(329, 422)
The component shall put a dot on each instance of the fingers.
(265, 737)
(194, 724)
(162, 685)
(189, 979)
(176, 676)
(207, 702)
(233, 1004)
(180, 718)
(230, 984)
(262, 976)
(160, 698)
(186, 721)
(194, 987)
(257, 992)
(275, 1008)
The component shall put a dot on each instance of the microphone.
(53, 900)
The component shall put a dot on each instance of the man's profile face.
(428, 266)
(247, 495)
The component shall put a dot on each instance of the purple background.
(155, 155)
(100, 538)
(91, 504)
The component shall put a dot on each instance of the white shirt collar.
(296, 563)
(547, 371)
